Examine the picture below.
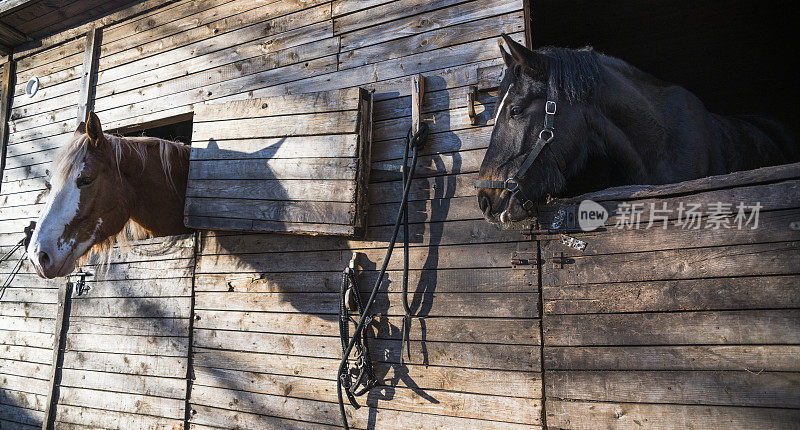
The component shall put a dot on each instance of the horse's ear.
(93, 129)
(81, 129)
(524, 56)
(507, 58)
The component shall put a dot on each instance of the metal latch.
(524, 260)
(80, 287)
(559, 260)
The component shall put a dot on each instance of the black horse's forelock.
(574, 73)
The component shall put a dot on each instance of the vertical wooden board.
(275, 197)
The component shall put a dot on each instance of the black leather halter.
(513, 184)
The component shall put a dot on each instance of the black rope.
(23, 243)
(348, 379)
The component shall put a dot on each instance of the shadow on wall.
(306, 271)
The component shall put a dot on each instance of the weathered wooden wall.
(679, 327)
(28, 307)
(264, 347)
(127, 341)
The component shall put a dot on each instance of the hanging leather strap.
(512, 184)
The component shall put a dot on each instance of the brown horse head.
(102, 184)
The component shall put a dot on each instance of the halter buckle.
(511, 185)
(550, 107)
(549, 132)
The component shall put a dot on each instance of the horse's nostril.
(44, 259)
(485, 204)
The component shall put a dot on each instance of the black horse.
(573, 121)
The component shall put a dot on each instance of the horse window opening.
(730, 54)
(178, 131)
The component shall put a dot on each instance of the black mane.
(573, 72)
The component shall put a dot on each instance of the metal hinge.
(524, 260)
(559, 260)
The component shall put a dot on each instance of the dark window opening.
(176, 129)
(737, 56)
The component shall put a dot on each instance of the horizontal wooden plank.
(14, 417)
(679, 295)
(15, 397)
(136, 111)
(754, 327)
(239, 224)
(448, 233)
(29, 295)
(27, 354)
(288, 125)
(38, 325)
(431, 304)
(85, 417)
(764, 175)
(151, 307)
(737, 260)
(324, 412)
(173, 388)
(242, 207)
(496, 408)
(130, 326)
(773, 226)
(498, 281)
(294, 46)
(122, 402)
(411, 24)
(198, 40)
(210, 418)
(203, 172)
(503, 331)
(28, 310)
(24, 369)
(445, 257)
(269, 188)
(120, 344)
(590, 415)
(753, 358)
(438, 38)
(386, 12)
(485, 356)
(765, 389)
(134, 363)
(24, 338)
(483, 381)
(320, 146)
(26, 384)
(290, 104)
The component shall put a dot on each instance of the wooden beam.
(11, 35)
(417, 92)
(64, 298)
(89, 75)
(123, 13)
(6, 93)
(8, 7)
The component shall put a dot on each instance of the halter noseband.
(512, 184)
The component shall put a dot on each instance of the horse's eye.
(83, 181)
(515, 111)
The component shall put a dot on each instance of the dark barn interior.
(739, 57)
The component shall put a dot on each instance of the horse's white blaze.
(61, 209)
(500, 106)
